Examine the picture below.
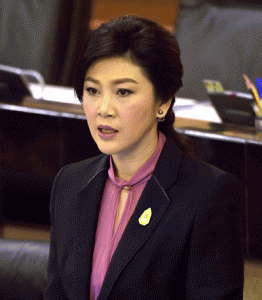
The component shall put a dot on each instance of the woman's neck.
(126, 166)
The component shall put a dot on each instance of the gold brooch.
(145, 217)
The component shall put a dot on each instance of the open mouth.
(107, 130)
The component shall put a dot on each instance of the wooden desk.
(38, 137)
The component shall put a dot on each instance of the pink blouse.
(106, 242)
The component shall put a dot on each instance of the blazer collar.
(89, 201)
(99, 165)
(165, 171)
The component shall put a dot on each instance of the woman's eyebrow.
(117, 81)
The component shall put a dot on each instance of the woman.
(145, 219)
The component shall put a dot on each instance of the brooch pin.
(145, 217)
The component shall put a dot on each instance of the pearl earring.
(161, 119)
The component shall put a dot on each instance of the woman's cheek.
(133, 113)
(89, 110)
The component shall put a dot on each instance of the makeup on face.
(120, 107)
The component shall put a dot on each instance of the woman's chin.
(105, 149)
(106, 152)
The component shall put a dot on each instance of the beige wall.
(161, 11)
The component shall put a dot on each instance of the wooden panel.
(23, 233)
(163, 12)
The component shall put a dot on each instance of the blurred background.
(218, 40)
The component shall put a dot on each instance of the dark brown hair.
(150, 46)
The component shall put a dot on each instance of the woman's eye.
(124, 92)
(92, 91)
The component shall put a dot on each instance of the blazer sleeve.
(54, 289)
(215, 269)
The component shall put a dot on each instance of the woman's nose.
(105, 107)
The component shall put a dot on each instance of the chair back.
(220, 43)
(23, 269)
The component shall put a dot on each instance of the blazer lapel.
(89, 201)
(155, 197)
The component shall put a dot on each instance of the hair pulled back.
(150, 46)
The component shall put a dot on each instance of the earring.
(161, 119)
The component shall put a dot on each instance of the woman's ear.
(164, 106)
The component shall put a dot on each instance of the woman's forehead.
(116, 67)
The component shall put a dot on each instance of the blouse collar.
(145, 170)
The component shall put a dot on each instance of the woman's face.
(117, 94)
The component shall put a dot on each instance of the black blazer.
(191, 249)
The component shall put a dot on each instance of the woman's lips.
(106, 135)
(106, 132)
(106, 127)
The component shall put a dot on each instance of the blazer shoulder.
(188, 171)
(206, 181)
(198, 168)
(76, 175)
(77, 167)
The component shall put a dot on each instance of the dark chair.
(23, 25)
(23, 269)
(44, 35)
(219, 42)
